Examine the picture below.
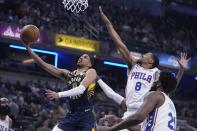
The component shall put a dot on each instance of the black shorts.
(79, 121)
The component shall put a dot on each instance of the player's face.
(84, 61)
(147, 58)
(4, 102)
(4, 107)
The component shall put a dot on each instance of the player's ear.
(151, 61)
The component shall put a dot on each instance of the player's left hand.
(104, 128)
(51, 94)
(183, 61)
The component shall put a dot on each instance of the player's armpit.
(64, 73)
(89, 78)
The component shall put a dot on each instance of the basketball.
(29, 34)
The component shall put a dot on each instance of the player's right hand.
(51, 94)
(183, 61)
(111, 119)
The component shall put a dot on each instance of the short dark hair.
(168, 81)
(156, 61)
(91, 60)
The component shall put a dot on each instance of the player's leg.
(88, 121)
(67, 124)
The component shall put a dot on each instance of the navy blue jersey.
(84, 100)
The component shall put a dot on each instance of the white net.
(75, 5)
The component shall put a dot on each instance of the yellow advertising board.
(77, 43)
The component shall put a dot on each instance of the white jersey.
(162, 118)
(4, 124)
(139, 83)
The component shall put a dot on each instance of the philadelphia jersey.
(4, 124)
(139, 83)
(162, 118)
(80, 101)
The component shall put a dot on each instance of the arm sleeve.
(72, 92)
(109, 92)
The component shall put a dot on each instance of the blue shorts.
(78, 121)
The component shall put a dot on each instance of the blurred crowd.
(138, 28)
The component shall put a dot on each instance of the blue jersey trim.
(151, 120)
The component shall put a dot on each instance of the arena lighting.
(196, 78)
(39, 51)
(174, 74)
(115, 64)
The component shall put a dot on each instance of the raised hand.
(51, 94)
(103, 16)
(183, 61)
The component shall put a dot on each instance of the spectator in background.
(45, 126)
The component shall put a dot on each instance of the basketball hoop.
(75, 5)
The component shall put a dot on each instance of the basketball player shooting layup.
(5, 120)
(81, 89)
(157, 112)
(142, 74)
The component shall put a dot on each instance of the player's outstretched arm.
(183, 62)
(90, 78)
(109, 92)
(154, 99)
(116, 39)
(60, 73)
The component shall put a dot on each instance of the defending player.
(183, 61)
(5, 120)
(157, 112)
(81, 90)
(142, 74)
